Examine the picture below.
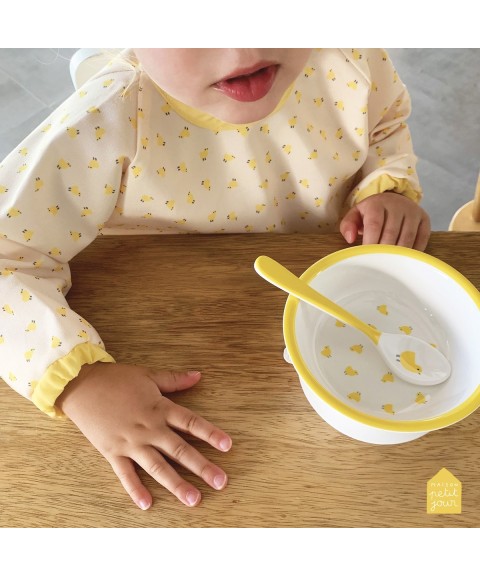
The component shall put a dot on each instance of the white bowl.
(341, 371)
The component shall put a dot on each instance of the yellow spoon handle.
(278, 275)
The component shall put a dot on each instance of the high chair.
(86, 62)
(467, 217)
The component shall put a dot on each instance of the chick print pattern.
(121, 156)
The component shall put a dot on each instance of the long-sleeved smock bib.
(120, 155)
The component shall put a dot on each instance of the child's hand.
(387, 218)
(123, 413)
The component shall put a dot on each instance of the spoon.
(410, 358)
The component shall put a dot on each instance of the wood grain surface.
(195, 302)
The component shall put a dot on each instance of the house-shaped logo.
(444, 494)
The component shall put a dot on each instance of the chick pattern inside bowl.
(396, 290)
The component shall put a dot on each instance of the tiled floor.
(444, 85)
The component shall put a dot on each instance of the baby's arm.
(56, 190)
(389, 167)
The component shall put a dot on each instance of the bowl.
(341, 371)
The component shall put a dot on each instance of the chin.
(245, 113)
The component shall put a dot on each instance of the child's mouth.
(250, 86)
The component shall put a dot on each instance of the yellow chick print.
(350, 371)
(313, 154)
(190, 198)
(340, 105)
(8, 309)
(32, 325)
(323, 134)
(355, 396)
(108, 82)
(318, 201)
(308, 71)
(27, 235)
(99, 132)
(53, 210)
(388, 408)
(420, 398)
(228, 157)
(268, 157)
(146, 198)
(2, 339)
(252, 163)
(406, 329)
(336, 156)
(160, 140)
(82, 334)
(136, 171)
(144, 141)
(3, 189)
(38, 184)
(332, 180)
(14, 212)
(75, 235)
(357, 349)
(161, 171)
(382, 309)
(291, 195)
(260, 208)
(28, 355)
(182, 167)
(360, 131)
(232, 216)
(55, 251)
(204, 154)
(93, 110)
(86, 211)
(292, 121)
(233, 183)
(353, 84)
(287, 148)
(356, 155)
(206, 184)
(212, 216)
(63, 164)
(170, 204)
(73, 132)
(185, 133)
(331, 75)
(74, 190)
(326, 351)
(388, 378)
(62, 311)
(55, 342)
(407, 360)
(318, 101)
(26, 296)
(93, 163)
(264, 184)
(264, 129)
(304, 182)
(339, 134)
(298, 96)
(271, 228)
(356, 54)
(284, 176)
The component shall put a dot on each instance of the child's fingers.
(125, 471)
(187, 421)
(171, 381)
(351, 225)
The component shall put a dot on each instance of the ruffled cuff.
(385, 183)
(61, 372)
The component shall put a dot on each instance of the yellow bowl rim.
(456, 414)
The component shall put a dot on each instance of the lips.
(249, 85)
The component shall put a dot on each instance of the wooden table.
(195, 302)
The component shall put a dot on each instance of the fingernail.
(193, 373)
(219, 481)
(143, 504)
(192, 497)
(225, 444)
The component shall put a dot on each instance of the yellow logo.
(444, 494)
